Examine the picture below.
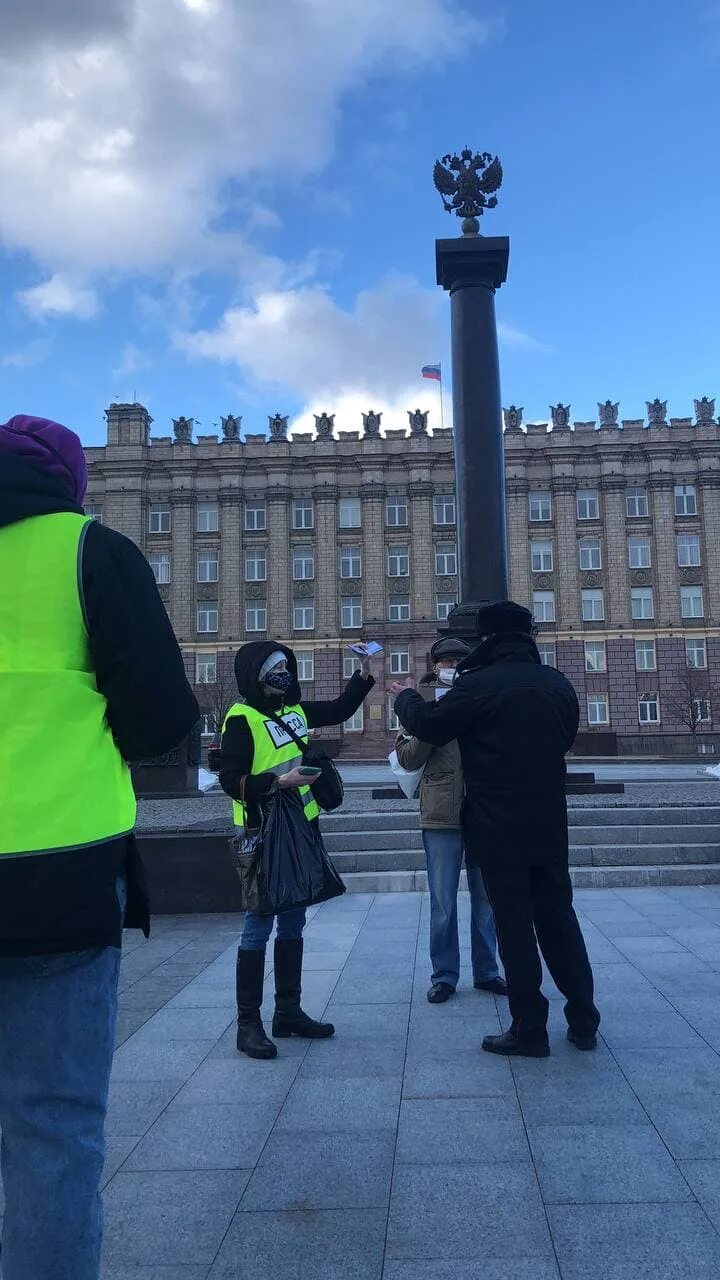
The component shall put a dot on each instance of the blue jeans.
(444, 855)
(257, 929)
(57, 1028)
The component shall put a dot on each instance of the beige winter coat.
(442, 787)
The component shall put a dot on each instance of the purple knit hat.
(50, 447)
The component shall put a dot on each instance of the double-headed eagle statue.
(467, 184)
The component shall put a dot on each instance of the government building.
(325, 538)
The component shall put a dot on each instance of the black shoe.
(296, 1023)
(510, 1044)
(249, 974)
(289, 1019)
(496, 986)
(585, 1042)
(440, 992)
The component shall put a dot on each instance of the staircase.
(610, 847)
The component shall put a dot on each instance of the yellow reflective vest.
(63, 782)
(274, 750)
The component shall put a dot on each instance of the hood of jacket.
(514, 647)
(28, 490)
(248, 662)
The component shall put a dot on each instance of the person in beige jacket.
(441, 795)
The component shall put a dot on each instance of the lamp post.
(471, 267)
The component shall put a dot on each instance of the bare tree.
(218, 695)
(688, 697)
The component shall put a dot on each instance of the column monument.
(471, 267)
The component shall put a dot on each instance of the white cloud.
(25, 357)
(132, 360)
(302, 341)
(59, 296)
(144, 116)
(510, 336)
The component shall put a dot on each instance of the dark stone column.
(471, 268)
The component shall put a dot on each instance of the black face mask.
(278, 681)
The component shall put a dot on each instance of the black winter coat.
(515, 720)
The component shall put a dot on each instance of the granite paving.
(398, 1150)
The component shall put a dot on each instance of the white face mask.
(447, 675)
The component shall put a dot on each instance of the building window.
(691, 602)
(546, 649)
(645, 655)
(303, 564)
(648, 708)
(688, 550)
(303, 615)
(590, 553)
(256, 565)
(349, 513)
(94, 511)
(541, 556)
(350, 562)
(160, 566)
(636, 503)
(256, 616)
(598, 710)
(399, 662)
(701, 711)
(394, 725)
(685, 500)
(696, 654)
(593, 606)
(398, 562)
(539, 505)
(255, 516)
(351, 664)
(639, 553)
(207, 566)
(159, 518)
(207, 725)
(396, 512)
(588, 504)
(444, 508)
(305, 659)
(207, 617)
(446, 559)
(206, 668)
(595, 656)
(641, 604)
(351, 612)
(544, 606)
(444, 606)
(399, 609)
(208, 517)
(356, 722)
(302, 514)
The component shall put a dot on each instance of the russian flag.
(432, 371)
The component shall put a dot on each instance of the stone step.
(621, 877)
(580, 837)
(638, 855)
(406, 816)
(347, 841)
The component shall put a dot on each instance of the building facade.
(329, 537)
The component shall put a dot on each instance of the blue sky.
(228, 207)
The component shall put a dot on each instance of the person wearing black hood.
(515, 720)
(257, 754)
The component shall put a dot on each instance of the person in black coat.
(515, 720)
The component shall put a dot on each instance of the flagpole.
(442, 416)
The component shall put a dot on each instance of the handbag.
(246, 850)
(328, 789)
(408, 779)
(283, 864)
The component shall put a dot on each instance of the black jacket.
(67, 901)
(237, 744)
(515, 720)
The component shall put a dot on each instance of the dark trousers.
(532, 904)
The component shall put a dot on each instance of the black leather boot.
(289, 1018)
(249, 975)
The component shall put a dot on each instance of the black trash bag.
(291, 866)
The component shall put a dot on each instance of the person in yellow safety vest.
(91, 677)
(256, 756)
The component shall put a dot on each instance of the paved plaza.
(398, 1149)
